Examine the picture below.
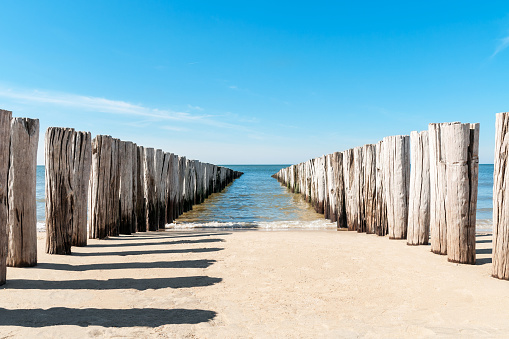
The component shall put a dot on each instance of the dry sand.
(254, 284)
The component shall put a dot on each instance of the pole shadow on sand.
(147, 317)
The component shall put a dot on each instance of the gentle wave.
(263, 225)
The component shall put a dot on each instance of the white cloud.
(503, 44)
(196, 108)
(175, 129)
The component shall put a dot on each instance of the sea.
(258, 201)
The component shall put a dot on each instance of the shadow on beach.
(128, 265)
(112, 284)
(124, 253)
(147, 317)
(176, 242)
(485, 238)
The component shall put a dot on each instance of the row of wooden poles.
(417, 187)
(94, 188)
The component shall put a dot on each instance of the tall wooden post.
(419, 204)
(438, 189)
(358, 185)
(82, 165)
(59, 191)
(340, 190)
(100, 187)
(126, 186)
(501, 199)
(113, 205)
(22, 219)
(141, 203)
(462, 157)
(5, 135)
(381, 227)
(163, 174)
(397, 182)
(134, 197)
(351, 191)
(150, 189)
(369, 187)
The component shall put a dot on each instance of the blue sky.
(236, 82)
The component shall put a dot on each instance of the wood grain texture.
(397, 181)
(100, 186)
(60, 198)
(462, 163)
(501, 199)
(125, 161)
(5, 135)
(419, 204)
(381, 223)
(22, 218)
(82, 166)
(150, 189)
(369, 187)
(438, 189)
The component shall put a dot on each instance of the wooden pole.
(141, 203)
(113, 205)
(82, 165)
(397, 182)
(22, 219)
(381, 226)
(419, 204)
(126, 186)
(501, 199)
(59, 191)
(163, 190)
(339, 190)
(369, 187)
(100, 186)
(351, 191)
(438, 189)
(150, 189)
(134, 197)
(462, 148)
(5, 135)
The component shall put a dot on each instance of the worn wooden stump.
(351, 190)
(22, 219)
(339, 190)
(126, 186)
(381, 227)
(113, 204)
(82, 165)
(438, 189)
(150, 189)
(419, 204)
(501, 199)
(134, 196)
(100, 186)
(163, 175)
(369, 187)
(141, 201)
(397, 182)
(5, 135)
(59, 191)
(462, 163)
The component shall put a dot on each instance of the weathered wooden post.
(59, 191)
(329, 210)
(100, 186)
(351, 191)
(381, 227)
(337, 163)
(82, 165)
(501, 199)
(369, 187)
(22, 219)
(141, 203)
(113, 205)
(134, 197)
(126, 186)
(150, 189)
(5, 135)
(419, 204)
(462, 162)
(163, 174)
(438, 189)
(397, 182)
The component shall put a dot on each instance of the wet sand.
(254, 284)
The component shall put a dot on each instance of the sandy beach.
(223, 284)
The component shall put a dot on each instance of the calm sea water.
(258, 201)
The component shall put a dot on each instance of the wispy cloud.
(96, 104)
(503, 44)
(196, 108)
(175, 128)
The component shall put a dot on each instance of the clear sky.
(241, 82)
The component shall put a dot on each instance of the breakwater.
(427, 195)
(125, 188)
